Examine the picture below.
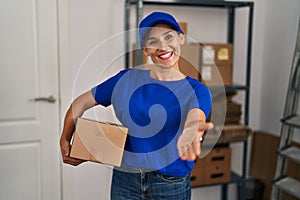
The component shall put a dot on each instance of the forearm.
(76, 110)
(69, 125)
(195, 119)
(189, 142)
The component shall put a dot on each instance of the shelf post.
(249, 58)
(230, 30)
(127, 26)
(139, 16)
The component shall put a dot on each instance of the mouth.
(165, 56)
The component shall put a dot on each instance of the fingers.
(191, 152)
(65, 152)
(72, 161)
(189, 146)
(205, 126)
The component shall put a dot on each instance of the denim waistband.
(134, 170)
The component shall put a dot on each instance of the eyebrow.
(165, 33)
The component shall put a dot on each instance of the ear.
(181, 38)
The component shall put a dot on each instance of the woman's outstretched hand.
(189, 145)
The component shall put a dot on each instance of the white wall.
(281, 21)
(85, 24)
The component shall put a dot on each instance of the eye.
(169, 37)
(151, 42)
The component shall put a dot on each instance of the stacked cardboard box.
(233, 130)
(234, 112)
(234, 109)
(212, 169)
(216, 63)
(189, 61)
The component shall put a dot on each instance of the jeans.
(149, 186)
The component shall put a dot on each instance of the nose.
(163, 45)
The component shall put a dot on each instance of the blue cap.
(157, 18)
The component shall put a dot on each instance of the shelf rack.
(231, 6)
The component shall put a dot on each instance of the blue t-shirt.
(154, 112)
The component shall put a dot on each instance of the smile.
(165, 56)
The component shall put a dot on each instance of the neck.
(166, 73)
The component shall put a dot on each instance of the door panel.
(29, 129)
(21, 164)
(18, 57)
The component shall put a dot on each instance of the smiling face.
(163, 45)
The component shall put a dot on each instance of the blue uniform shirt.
(154, 111)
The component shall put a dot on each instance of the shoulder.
(196, 84)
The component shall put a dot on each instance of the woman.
(164, 110)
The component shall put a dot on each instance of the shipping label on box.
(208, 55)
(99, 142)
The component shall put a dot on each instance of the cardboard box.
(216, 75)
(216, 63)
(99, 142)
(189, 63)
(183, 26)
(212, 169)
(133, 63)
(217, 53)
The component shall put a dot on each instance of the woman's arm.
(77, 108)
(189, 142)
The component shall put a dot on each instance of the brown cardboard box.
(183, 26)
(216, 75)
(216, 62)
(212, 169)
(189, 62)
(216, 52)
(99, 142)
(133, 56)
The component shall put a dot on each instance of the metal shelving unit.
(231, 7)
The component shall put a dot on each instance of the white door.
(29, 151)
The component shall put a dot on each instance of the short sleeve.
(201, 98)
(102, 93)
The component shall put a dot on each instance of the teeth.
(167, 55)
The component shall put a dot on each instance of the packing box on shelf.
(212, 169)
(184, 27)
(217, 53)
(99, 142)
(189, 62)
(216, 63)
(217, 75)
